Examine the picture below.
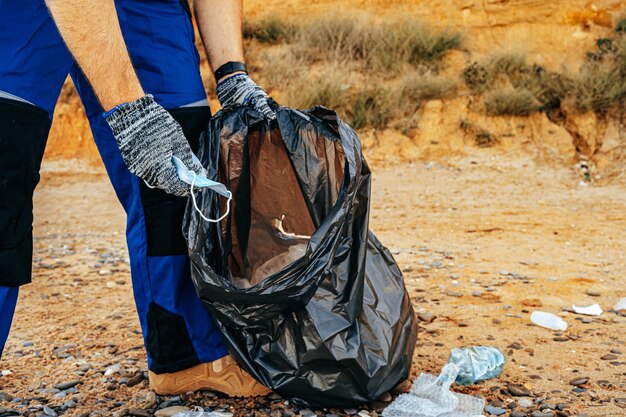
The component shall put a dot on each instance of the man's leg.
(178, 331)
(33, 65)
(8, 300)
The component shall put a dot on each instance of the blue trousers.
(8, 300)
(34, 62)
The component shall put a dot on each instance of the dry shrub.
(371, 107)
(330, 88)
(268, 30)
(362, 38)
(417, 88)
(281, 68)
(597, 88)
(601, 82)
(510, 102)
(501, 67)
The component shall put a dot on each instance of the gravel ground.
(483, 241)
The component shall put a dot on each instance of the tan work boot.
(222, 375)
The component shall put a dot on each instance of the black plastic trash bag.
(308, 300)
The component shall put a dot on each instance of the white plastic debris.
(430, 396)
(548, 320)
(592, 310)
(621, 305)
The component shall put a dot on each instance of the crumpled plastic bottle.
(477, 363)
(430, 396)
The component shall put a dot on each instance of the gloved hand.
(148, 137)
(240, 89)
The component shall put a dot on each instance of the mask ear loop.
(195, 204)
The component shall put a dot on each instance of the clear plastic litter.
(592, 310)
(548, 320)
(477, 363)
(621, 305)
(430, 396)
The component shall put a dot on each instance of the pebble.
(592, 293)
(49, 411)
(67, 385)
(307, 412)
(579, 381)
(5, 397)
(170, 411)
(113, 369)
(138, 413)
(69, 404)
(494, 411)
(135, 379)
(525, 402)
(426, 317)
(151, 398)
(608, 357)
(350, 411)
(519, 414)
(227, 413)
(541, 414)
(519, 391)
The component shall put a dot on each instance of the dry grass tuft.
(417, 88)
(377, 46)
(371, 107)
(268, 30)
(510, 102)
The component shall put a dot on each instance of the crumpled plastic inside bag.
(430, 396)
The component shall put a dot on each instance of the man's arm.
(92, 33)
(147, 135)
(220, 24)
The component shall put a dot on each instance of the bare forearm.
(92, 33)
(220, 24)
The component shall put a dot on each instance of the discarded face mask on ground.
(478, 363)
(430, 396)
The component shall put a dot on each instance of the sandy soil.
(483, 240)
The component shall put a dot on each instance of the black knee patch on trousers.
(24, 131)
(164, 212)
(168, 341)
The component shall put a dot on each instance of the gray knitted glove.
(240, 89)
(148, 137)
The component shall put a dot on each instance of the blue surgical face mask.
(200, 181)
